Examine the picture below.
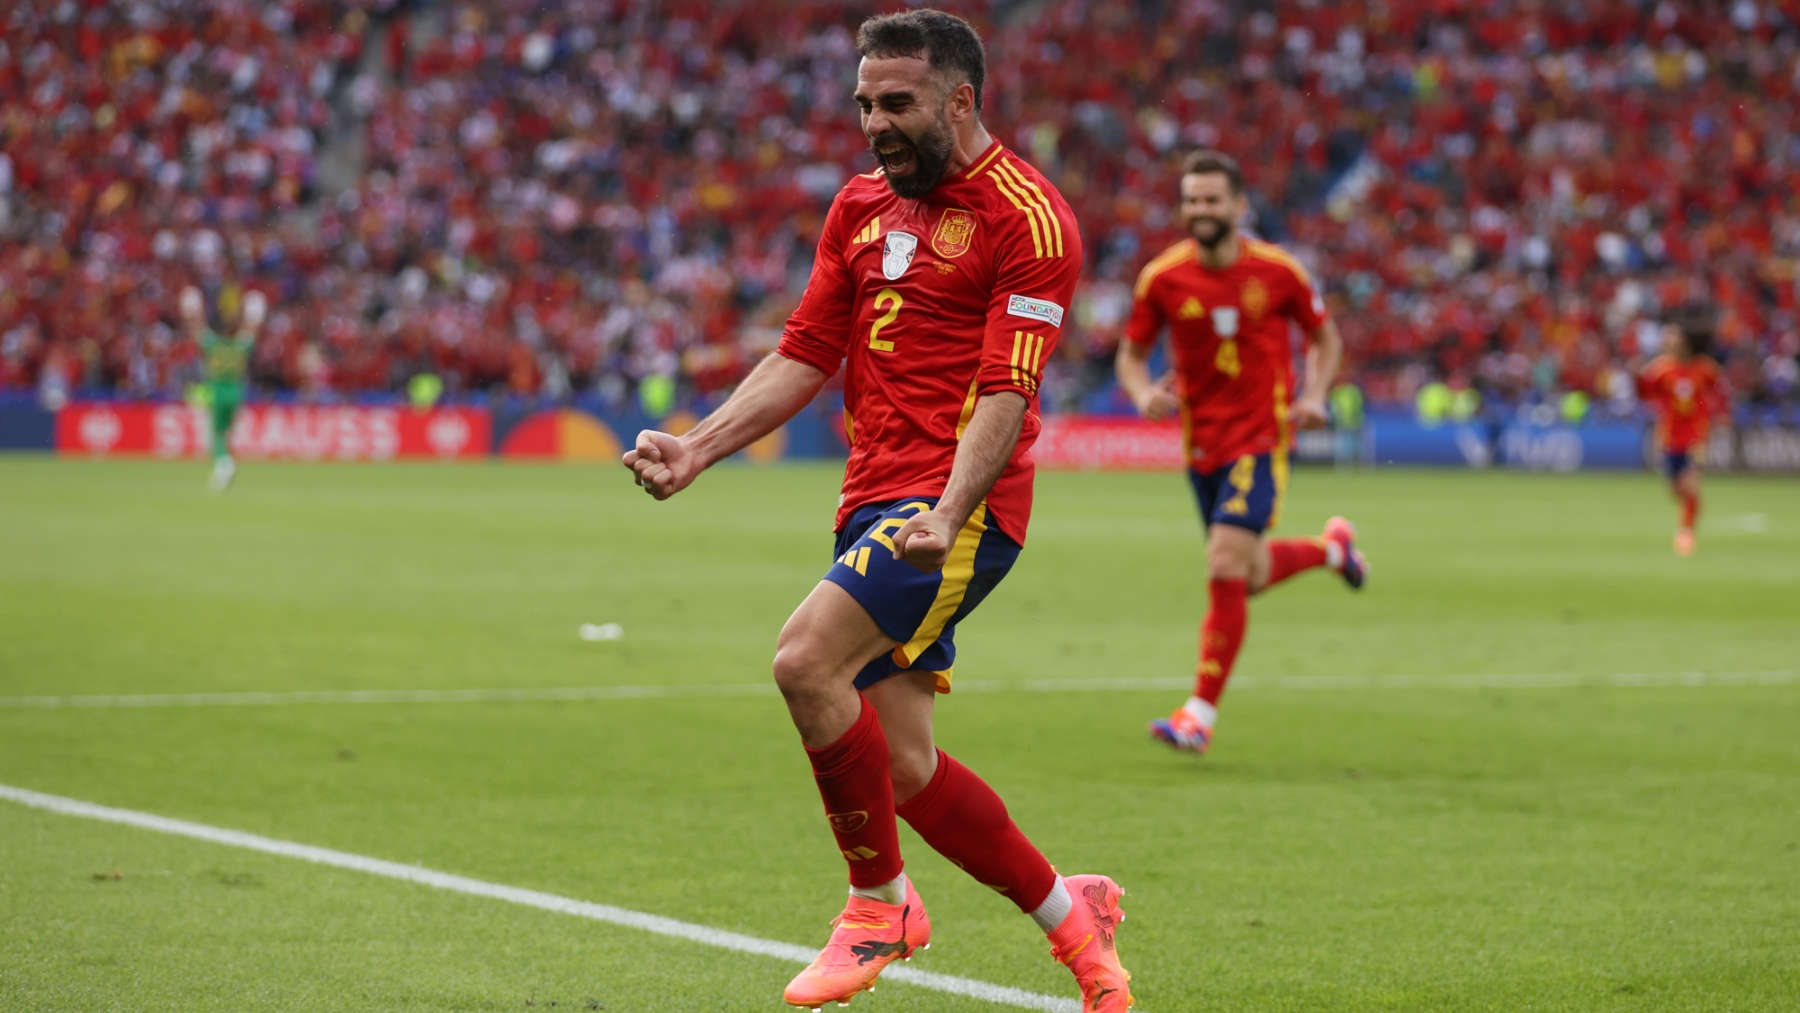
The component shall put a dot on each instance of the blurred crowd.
(549, 199)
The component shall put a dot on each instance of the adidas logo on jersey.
(1190, 310)
(870, 231)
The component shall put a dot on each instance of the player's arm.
(1153, 399)
(1024, 323)
(774, 392)
(1324, 351)
(193, 312)
(981, 455)
(1324, 354)
(256, 307)
(812, 347)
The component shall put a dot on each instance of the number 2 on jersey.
(890, 298)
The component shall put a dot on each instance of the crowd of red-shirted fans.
(552, 199)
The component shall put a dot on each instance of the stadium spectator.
(550, 199)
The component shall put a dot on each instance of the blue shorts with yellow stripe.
(918, 609)
(1246, 493)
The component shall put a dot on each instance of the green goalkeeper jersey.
(227, 358)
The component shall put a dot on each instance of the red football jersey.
(1684, 396)
(934, 303)
(1228, 331)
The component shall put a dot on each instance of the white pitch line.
(1629, 680)
(530, 898)
(385, 696)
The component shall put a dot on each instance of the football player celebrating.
(940, 286)
(1682, 386)
(227, 362)
(1227, 300)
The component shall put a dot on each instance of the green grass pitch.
(1348, 845)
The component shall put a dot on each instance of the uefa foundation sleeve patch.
(1035, 309)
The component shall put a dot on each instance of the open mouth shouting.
(896, 154)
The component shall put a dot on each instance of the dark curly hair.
(945, 41)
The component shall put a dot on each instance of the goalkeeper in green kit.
(227, 360)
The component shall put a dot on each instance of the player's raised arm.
(256, 308)
(193, 312)
(774, 392)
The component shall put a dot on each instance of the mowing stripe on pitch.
(530, 898)
(1566, 681)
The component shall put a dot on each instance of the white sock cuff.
(1205, 712)
(1055, 907)
(891, 892)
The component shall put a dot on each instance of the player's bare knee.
(1224, 563)
(911, 771)
(798, 668)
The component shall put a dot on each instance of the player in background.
(227, 364)
(940, 286)
(1684, 390)
(1226, 300)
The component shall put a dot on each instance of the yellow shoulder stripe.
(1275, 254)
(1046, 231)
(972, 173)
(1168, 258)
(1037, 239)
(1043, 203)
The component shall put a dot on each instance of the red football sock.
(965, 821)
(1220, 636)
(1288, 556)
(857, 786)
(1690, 509)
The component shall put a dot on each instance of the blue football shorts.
(1246, 493)
(920, 610)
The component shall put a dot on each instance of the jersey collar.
(986, 159)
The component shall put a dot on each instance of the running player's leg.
(1684, 482)
(872, 616)
(955, 811)
(1237, 503)
(1334, 549)
(826, 642)
(1236, 558)
(964, 819)
(223, 413)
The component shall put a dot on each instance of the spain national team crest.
(897, 254)
(1255, 298)
(955, 233)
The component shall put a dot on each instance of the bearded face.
(1209, 209)
(906, 119)
(914, 165)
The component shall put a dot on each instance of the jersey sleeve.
(1033, 288)
(1146, 322)
(818, 331)
(1306, 306)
